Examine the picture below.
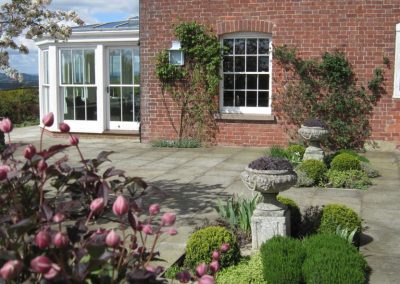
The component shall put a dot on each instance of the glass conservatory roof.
(130, 24)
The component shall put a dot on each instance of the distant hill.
(7, 83)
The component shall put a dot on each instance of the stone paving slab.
(194, 179)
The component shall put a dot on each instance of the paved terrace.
(193, 180)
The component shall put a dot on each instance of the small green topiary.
(345, 162)
(330, 259)
(296, 149)
(295, 215)
(246, 272)
(282, 259)
(348, 179)
(314, 169)
(334, 215)
(202, 243)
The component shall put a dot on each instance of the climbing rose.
(48, 119)
(120, 206)
(6, 125)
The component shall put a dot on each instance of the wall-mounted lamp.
(176, 54)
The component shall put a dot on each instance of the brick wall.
(364, 29)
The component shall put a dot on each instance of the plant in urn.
(269, 176)
(313, 130)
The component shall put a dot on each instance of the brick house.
(366, 30)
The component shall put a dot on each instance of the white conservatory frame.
(101, 40)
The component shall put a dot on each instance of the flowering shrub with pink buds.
(49, 210)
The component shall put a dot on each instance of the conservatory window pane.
(137, 103)
(91, 104)
(66, 67)
(136, 65)
(115, 66)
(89, 67)
(68, 103)
(77, 57)
(127, 104)
(127, 70)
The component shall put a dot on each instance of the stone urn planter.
(269, 176)
(313, 130)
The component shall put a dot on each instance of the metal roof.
(130, 24)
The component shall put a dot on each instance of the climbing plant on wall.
(193, 86)
(327, 88)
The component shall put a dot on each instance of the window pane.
(115, 104)
(240, 46)
(66, 67)
(251, 64)
(239, 64)
(91, 103)
(228, 98)
(252, 82)
(263, 83)
(240, 82)
(127, 70)
(46, 67)
(80, 99)
(89, 67)
(251, 46)
(263, 46)
(228, 82)
(228, 43)
(262, 99)
(46, 100)
(68, 102)
(240, 99)
(127, 104)
(175, 57)
(115, 67)
(136, 65)
(77, 57)
(228, 63)
(263, 64)
(137, 104)
(251, 99)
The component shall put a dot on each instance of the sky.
(91, 11)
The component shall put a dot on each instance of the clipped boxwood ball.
(202, 243)
(314, 169)
(334, 215)
(345, 162)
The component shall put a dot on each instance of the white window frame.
(45, 86)
(396, 86)
(83, 85)
(248, 110)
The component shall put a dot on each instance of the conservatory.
(92, 81)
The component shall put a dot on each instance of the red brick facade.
(364, 29)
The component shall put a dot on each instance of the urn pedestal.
(270, 218)
(314, 135)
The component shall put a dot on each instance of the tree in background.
(30, 19)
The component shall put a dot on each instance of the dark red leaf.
(52, 151)
(111, 172)
(133, 220)
(104, 189)
(140, 182)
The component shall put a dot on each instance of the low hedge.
(20, 105)
(348, 179)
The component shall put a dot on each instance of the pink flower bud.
(73, 140)
(58, 218)
(3, 172)
(64, 127)
(147, 229)
(113, 240)
(150, 268)
(225, 247)
(48, 119)
(97, 205)
(172, 232)
(41, 264)
(11, 269)
(215, 255)
(183, 276)
(214, 266)
(120, 206)
(154, 209)
(53, 271)
(60, 240)
(206, 279)
(201, 269)
(29, 151)
(168, 219)
(42, 165)
(6, 125)
(42, 239)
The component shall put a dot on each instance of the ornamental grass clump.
(270, 163)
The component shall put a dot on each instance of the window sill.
(246, 117)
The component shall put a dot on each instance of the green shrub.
(292, 149)
(171, 272)
(246, 272)
(20, 105)
(282, 259)
(345, 162)
(371, 172)
(334, 215)
(202, 243)
(183, 143)
(354, 154)
(314, 170)
(330, 260)
(348, 179)
(295, 215)
(238, 211)
(277, 152)
(303, 180)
